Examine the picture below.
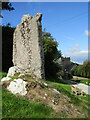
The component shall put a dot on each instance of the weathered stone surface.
(45, 84)
(18, 86)
(27, 46)
(12, 71)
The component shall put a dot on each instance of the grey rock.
(45, 84)
(12, 71)
(56, 91)
(55, 101)
(21, 75)
(31, 85)
(46, 95)
(44, 98)
(41, 85)
(28, 51)
(5, 79)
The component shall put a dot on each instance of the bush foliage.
(82, 70)
(51, 54)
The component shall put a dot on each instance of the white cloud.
(76, 54)
(87, 33)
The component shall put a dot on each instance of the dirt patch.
(5, 84)
(57, 101)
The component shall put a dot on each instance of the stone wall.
(27, 46)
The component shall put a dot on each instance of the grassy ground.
(81, 80)
(15, 106)
(80, 101)
(87, 82)
(2, 74)
(84, 81)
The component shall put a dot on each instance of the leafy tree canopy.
(51, 53)
(50, 46)
(7, 6)
(82, 70)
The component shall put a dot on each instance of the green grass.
(2, 74)
(87, 82)
(15, 76)
(79, 101)
(84, 81)
(64, 116)
(66, 90)
(15, 106)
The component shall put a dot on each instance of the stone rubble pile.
(20, 86)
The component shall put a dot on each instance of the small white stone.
(56, 103)
(53, 101)
(21, 75)
(86, 82)
(44, 98)
(45, 84)
(5, 79)
(56, 91)
(45, 94)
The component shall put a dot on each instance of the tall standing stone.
(28, 51)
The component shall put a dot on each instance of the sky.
(66, 21)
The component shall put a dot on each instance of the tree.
(82, 70)
(51, 53)
(5, 6)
